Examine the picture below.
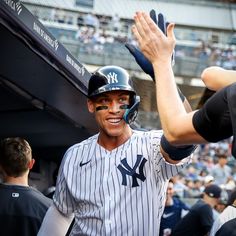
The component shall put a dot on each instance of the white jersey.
(118, 192)
(228, 214)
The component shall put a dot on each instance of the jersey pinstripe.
(118, 192)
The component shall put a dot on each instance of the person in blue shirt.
(174, 210)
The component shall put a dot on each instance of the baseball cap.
(208, 179)
(213, 191)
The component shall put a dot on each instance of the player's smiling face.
(109, 109)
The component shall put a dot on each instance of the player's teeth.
(114, 120)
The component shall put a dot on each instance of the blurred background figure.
(223, 202)
(200, 218)
(179, 185)
(209, 179)
(174, 210)
(22, 208)
(115, 22)
(49, 192)
(91, 20)
(221, 172)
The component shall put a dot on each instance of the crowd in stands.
(210, 54)
(200, 199)
(96, 32)
(212, 163)
(99, 30)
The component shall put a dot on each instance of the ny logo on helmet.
(112, 78)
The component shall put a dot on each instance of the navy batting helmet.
(113, 78)
(109, 78)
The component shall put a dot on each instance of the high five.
(213, 122)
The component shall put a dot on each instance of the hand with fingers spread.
(142, 61)
(155, 45)
(158, 49)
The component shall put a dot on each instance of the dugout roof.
(42, 86)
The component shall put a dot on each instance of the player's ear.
(91, 107)
(31, 163)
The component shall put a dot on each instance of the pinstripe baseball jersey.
(118, 192)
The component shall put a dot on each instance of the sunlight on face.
(106, 101)
(109, 109)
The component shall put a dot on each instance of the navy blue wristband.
(176, 153)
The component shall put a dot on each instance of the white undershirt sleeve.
(55, 223)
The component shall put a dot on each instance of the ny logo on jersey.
(112, 78)
(127, 170)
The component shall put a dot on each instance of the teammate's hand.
(142, 61)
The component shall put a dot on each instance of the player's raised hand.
(154, 44)
(142, 61)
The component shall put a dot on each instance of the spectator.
(204, 52)
(221, 171)
(209, 179)
(52, 14)
(174, 210)
(223, 201)
(179, 185)
(49, 192)
(199, 219)
(115, 22)
(197, 190)
(91, 20)
(22, 208)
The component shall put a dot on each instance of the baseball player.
(114, 183)
(215, 121)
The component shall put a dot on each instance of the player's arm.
(145, 64)
(174, 154)
(158, 48)
(171, 153)
(216, 77)
(55, 223)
